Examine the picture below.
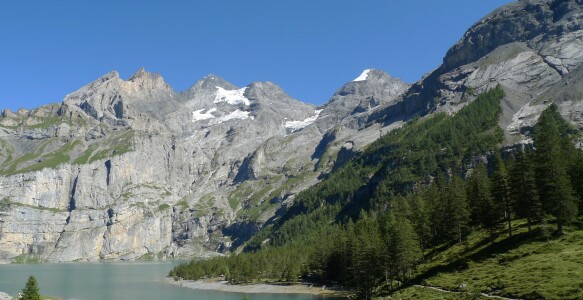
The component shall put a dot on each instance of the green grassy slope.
(532, 265)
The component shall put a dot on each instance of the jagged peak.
(108, 76)
(144, 80)
(260, 89)
(374, 74)
(143, 74)
(6, 112)
(370, 82)
(211, 82)
(372, 78)
(363, 76)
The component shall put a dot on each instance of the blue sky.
(310, 48)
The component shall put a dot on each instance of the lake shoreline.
(4, 296)
(218, 284)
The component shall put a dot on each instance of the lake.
(114, 280)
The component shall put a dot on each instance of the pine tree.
(404, 250)
(457, 210)
(420, 216)
(484, 212)
(523, 192)
(576, 174)
(30, 291)
(437, 195)
(501, 189)
(367, 256)
(554, 185)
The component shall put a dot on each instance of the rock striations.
(528, 47)
(127, 169)
(124, 169)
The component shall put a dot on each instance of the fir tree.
(484, 211)
(501, 189)
(554, 185)
(403, 248)
(576, 174)
(523, 190)
(30, 291)
(420, 216)
(458, 210)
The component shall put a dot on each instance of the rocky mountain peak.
(264, 90)
(272, 105)
(210, 82)
(175, 173)
(111, 98)
(371, 80)
(139, 74)
(108, 76)
(146, 82)
(208, 91)
(520, 21)
(371, 90)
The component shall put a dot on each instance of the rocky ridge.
(127, 169)
(528, 47)
(124, 169)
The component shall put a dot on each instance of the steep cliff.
(128, 168)
(528, 47)
(123, 169)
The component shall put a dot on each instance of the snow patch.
(237, 114)
(363, 76)
(198, 115)
(297, 125)
(232, 97)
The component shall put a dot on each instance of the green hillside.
(432, 203)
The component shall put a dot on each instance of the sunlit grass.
(527, 266)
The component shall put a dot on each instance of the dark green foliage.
(425, 146)
(368, 223)
(523, 190)
(402, 246)
(317, 238)
(501, 189)
(457, 212)
(281, 264)
(576, 173)
(553, 146)
(30, 291)
(366, 256)
(485, 211)
(444, 211)
(420, 216)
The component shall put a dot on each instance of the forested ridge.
(432, 185)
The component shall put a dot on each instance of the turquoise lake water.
(124, 280)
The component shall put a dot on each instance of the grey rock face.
(352, 103)
(527, 47)
(124, 169)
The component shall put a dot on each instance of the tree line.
(425, 189)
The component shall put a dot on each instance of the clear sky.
(308, 47)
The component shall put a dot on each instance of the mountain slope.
(426, 186)
(126, 168)
(527, 47)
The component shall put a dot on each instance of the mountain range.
(129, 169)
